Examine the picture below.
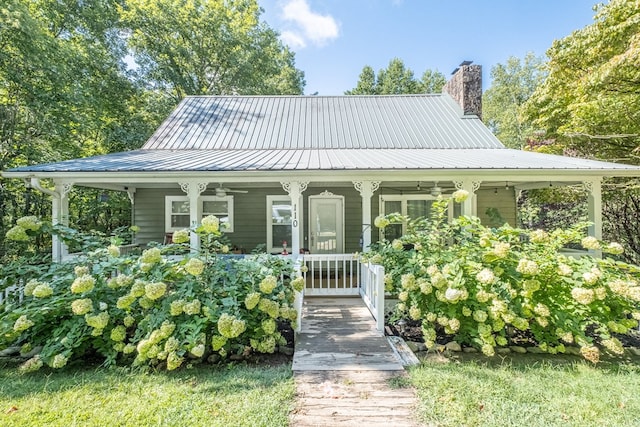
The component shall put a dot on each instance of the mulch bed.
(411, 330)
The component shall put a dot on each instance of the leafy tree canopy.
(209, 47)
(396, 79)
(590, 101)
(512, 84)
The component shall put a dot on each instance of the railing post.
(380, 298)
(297, 302)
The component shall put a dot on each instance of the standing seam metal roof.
(316, 122)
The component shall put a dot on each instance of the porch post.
(594, 188)
(366, 190)
(56, 241)
(469, 206)
(64, 190)
(193, 190)
(295, 190)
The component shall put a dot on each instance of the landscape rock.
(9, 351)
(634, 350)
(518, 349)
(572, 350)
(453, 346)
(503, 350)
(416, 346)
(33, 352)
(286, 350)
(469, 350)
(535, 350)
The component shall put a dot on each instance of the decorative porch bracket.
(366, 190)
(594, 197)
(193, 191)
(295, 190)
(469, 206)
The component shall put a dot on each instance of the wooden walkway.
(346, 372)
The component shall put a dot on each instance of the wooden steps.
(346, 372)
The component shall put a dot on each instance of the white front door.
(326, 224)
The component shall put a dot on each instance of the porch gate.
(343, 275)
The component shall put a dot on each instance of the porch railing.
(372, 291)
(331, 274)
(15, 293)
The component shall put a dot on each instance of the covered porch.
(315, 217)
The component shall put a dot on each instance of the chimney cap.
(454, 71)
(466, 63)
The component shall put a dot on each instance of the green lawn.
(203, 396)
(527, 390)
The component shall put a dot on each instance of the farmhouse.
(314, 171)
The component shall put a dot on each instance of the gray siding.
(250, 217)
(500, 201)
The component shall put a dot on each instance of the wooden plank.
(402, 350)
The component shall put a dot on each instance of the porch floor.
(344, 369)
(339, 334)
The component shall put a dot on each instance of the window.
(177, 211)
(278, 222)
(414, 206)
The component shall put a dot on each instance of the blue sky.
(334, 39)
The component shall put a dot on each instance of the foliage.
(590, 102)
(98, 76)
(240, 396)
(532, 390)
(621, 214)
(396, 79)
(485, 286)
(154, 310)
(206, 47)
(512, 84)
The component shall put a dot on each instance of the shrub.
(153, 310)
(483, 286)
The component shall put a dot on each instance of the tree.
(512, 85)
(396, 79)
(589, 105)
(208, 47)
(590, 101)
(432, 82)
(366, 83)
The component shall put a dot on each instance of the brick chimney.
(465, 87)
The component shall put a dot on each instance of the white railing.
(372, 291)
(331, 274)
(299, 299)
(15, 292)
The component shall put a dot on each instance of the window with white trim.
(177, 211)
(413, 205)
(278, 222)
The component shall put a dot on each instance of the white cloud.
(293, 39)
(308, 25)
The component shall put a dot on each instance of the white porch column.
(594, 188)
(295, 190)
(193, 190)
(64, 189)
(469, 206)
(366, 190)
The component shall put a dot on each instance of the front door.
(326, 224)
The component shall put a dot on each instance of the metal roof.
(310, 133)
(331, 159)
(320, 122)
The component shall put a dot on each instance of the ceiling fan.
(222, 191)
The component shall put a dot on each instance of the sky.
(334, 39)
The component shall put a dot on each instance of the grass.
(203, 396)
(528, 391)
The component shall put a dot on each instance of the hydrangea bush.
(153, 309)
(485, 286)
